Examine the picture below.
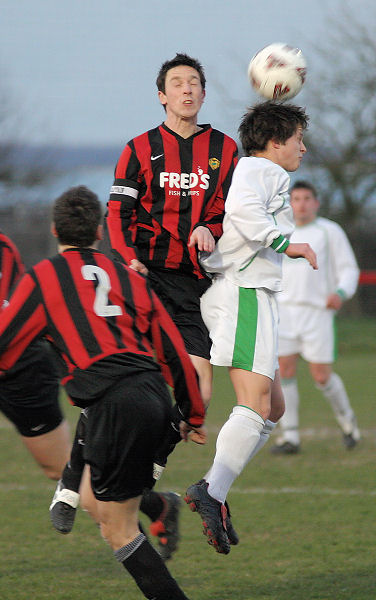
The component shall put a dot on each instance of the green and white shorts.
(243, 326)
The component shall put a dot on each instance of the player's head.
(181, 87)
(76, 216)
(300, 184)
(304, 201)
(274, 123)
(179, 60)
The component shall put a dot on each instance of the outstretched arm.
(302, 251)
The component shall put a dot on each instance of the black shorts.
(180, 295)
(29, 393)
(122, 434)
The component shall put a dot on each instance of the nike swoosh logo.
(38, 427)
(101, 491)
(155, 157)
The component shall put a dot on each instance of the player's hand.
(138, 266)
(202, 238)
(334, 301)
(195, 434)
(302, 251)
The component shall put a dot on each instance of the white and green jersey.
(257, 225)
(337, 268)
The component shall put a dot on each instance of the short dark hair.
(270, 121)
(304, 185)
(76, 215)
(177, 61)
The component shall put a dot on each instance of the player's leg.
(236, 442)
(205, 376)
(277, 407)
(240, 435)
(319, 350)
(29, 397)
(119, 526)
(122, 436)
(288, 442)
(74, 488)
(67, 494)
(180, 295)
(235, 327)
(276, 412)
(51, 449)
(333, 389)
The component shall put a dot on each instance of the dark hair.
(304, 185)
(180, 59)
(270, 121)
(76, 215)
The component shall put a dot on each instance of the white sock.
(235, 443)
(289, 422)
(264, 436)
(335, 392)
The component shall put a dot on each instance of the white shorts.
(307, 331)
(243, 327)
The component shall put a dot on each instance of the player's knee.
(52, 471)
(287, 371)
(321, 378)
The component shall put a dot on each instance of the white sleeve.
(254, 201)
(343, 263)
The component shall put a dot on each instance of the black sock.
(72, 473)
(148, 570)
(151, 504)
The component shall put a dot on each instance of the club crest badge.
(214, 163)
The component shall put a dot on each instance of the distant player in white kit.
(240, 309)
(308, 305)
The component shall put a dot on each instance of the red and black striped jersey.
(11, 267)
(104, 321)
(165, 186)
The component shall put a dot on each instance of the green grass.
(306, 522)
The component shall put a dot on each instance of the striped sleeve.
(21, 322)
(122, 206)
(11, 267)
(176, 365)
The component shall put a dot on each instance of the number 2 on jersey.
(101, 306)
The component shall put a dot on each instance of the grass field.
(307, 522)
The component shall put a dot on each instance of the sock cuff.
(289, 380)
(67, 496)
(269, 426)
(245, 411)
(125, 552)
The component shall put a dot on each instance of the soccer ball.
(278, 71)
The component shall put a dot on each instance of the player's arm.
(344, 267)
(11, 267)
(122, 208)
(176, 365)
(302, 251)
(22, 321)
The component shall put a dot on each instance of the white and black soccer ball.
(278, 71)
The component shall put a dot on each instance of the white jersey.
(257, 225)
(337, 268)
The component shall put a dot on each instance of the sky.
(82, 72)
